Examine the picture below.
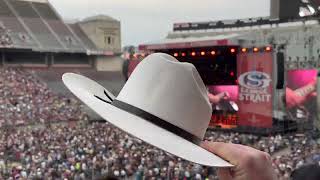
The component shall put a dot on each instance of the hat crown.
(170, 90)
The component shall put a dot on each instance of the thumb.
(224, 174)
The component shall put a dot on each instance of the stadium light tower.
(284, 9)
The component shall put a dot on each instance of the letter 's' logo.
(255, 80)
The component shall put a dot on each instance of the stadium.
(47, 133)
(285, 46)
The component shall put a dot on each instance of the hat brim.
(86, 89)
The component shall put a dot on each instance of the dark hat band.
(152, 119)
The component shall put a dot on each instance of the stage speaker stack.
(280, 70)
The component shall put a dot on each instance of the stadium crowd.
(24, 99)
(5, 38)
(90, 151)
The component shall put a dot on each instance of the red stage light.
(232, 74)
(193, 54)
(268, 48)
(183, 54)
(255, 49)
(232, 50)
(203, 53)
(175, 54)
(244, 50)
(213, 53)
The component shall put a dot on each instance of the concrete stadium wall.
(111, 80)
(60, 88)
(109, 63)
(71, 59)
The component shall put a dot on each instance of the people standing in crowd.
(90, 151)
(25, 99)
(95, 150)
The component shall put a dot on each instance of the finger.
(224, 150)
(222, 94)
(224, 174)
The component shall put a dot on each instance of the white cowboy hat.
(163, 103)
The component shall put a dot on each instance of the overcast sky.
(148, 20)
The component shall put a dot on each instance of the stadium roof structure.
(98, 18)
(35, 25)
(309, 10)
(238, 23)
(192, 42)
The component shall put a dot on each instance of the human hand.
(250, 164)
(224, 95)
(215, 99)
(294, 99)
